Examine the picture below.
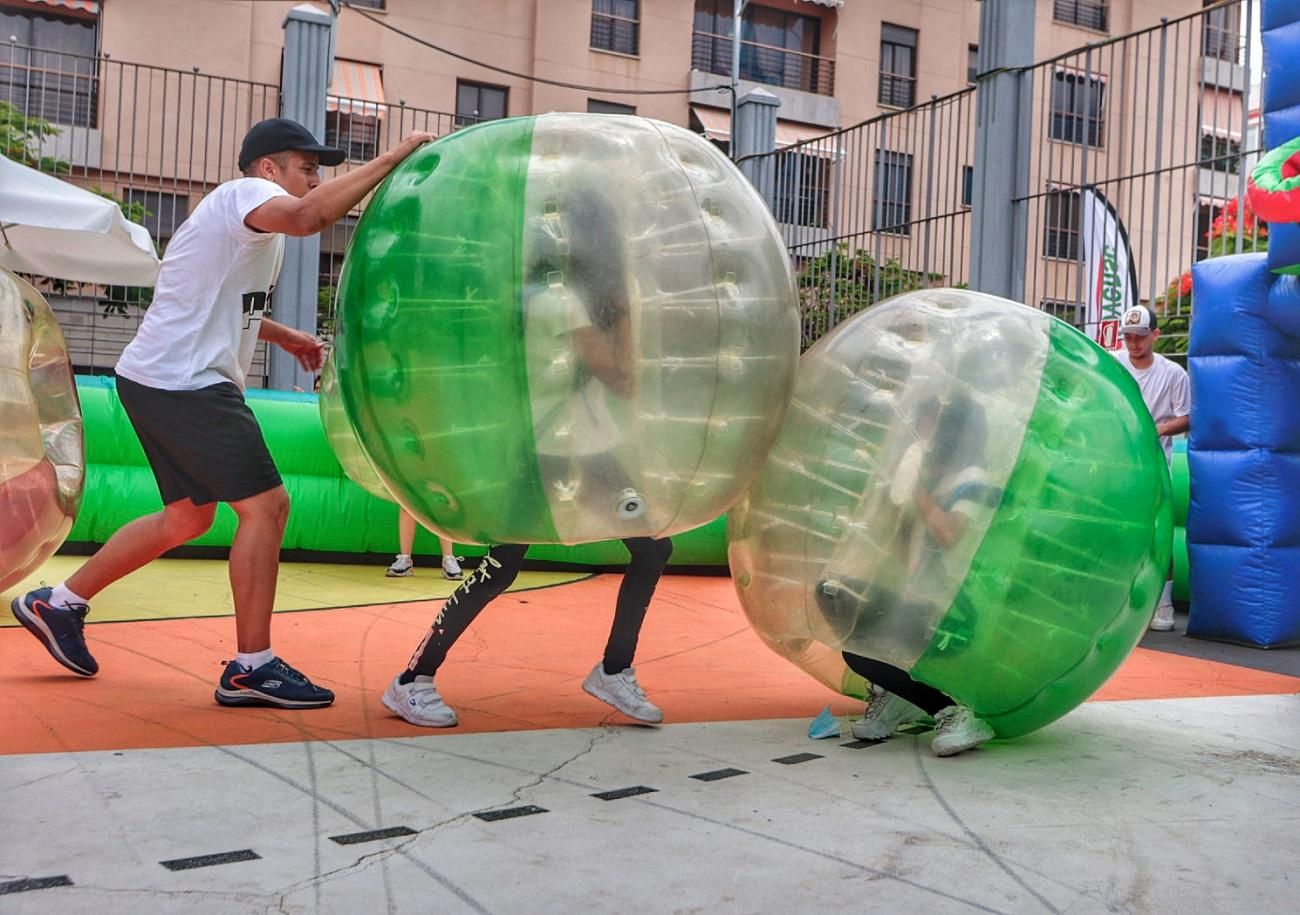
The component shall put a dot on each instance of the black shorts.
(203, 445)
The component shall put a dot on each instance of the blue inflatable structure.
(1243, 523)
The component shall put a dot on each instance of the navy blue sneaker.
(58, 628)
(275, 683)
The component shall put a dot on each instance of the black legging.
(498, 570)
(898, 682)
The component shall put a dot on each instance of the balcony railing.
(760, 63)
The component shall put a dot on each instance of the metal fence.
(877, 209)
(158, 140)
(1157, 121)
(154, 138)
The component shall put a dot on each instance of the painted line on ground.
(373, 835)
(34, 883)
(225, 857)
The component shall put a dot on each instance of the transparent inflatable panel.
(342, 440)
(42, 455)
(890, 423)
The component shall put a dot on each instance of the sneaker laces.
(877, 705)
(288, 673)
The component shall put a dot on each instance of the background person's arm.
(331, 200)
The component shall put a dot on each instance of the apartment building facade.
(152, 96)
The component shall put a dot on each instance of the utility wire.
(721, 87)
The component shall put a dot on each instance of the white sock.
(255, 659)
(403, 557)
(60, 596)
(1167, 595)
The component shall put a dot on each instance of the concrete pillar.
(1003, 107)
(753, 132)
(308, 66)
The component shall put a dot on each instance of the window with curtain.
(897, 66)
(1078, 108)
(1091, 14)
(52, 72)
(616, 26)
(477, 102)
(891, 209)
(1061, 225)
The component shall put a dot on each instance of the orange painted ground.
(519, 668)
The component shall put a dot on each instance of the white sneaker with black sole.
(1163, 621)
(401, 568)
(623, 692)
(419, 703)
(451, 569)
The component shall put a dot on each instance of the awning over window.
(356, 88)
(81, 6)
(717, 126)
(834, 3)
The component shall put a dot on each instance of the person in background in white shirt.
(1168, 396)
(181, 381)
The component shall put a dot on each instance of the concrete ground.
(132, 793)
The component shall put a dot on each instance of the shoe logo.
(273, 684)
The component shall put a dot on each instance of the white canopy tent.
(52, 228)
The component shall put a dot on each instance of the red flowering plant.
(1174, 307)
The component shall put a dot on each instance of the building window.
(802, 189)
(477, 102)
(967, 185)
(1061, 225)
(616, 26)
(777, 48)
(163, 212)
(1206, 213)
(50, 70)
(1221, 35)
(1091, 14)
(1078, 108)
(972, 63)
(891, 209)
(1069, 312)
(897, 66)
(356, 134)
(596, 106)
(1222, 154)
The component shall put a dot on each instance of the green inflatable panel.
(566, 329)
(969, 490)
(329, 512)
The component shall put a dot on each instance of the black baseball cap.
(276, 135)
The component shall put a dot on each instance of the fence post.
(754, 134)
(308, 66)
(1003, 111)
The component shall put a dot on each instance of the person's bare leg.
(405, 532)
(254, 565)
(448, 548)
(139, 543)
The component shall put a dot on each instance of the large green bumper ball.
(969, 490)
(565, 329)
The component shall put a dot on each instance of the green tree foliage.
(837, 285)
(20, 140)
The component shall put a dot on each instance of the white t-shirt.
(1165, 390)
(212, 289)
